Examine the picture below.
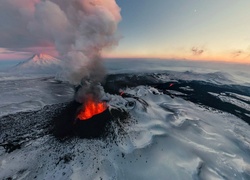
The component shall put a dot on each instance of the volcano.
(89, 120)
(39, 63)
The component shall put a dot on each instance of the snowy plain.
(171, 138)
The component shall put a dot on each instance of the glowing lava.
(91, 108)
(171, 84)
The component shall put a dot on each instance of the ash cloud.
(197, 51)
(78, 29)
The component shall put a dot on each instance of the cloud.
(197, 51)
(237, 53)
(6, 54)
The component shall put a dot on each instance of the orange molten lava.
(91, 108)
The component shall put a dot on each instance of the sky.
(216, 30)
(185, 29)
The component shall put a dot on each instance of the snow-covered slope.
(31, 94)
(39, 63)
(169, 138)
(193, 129)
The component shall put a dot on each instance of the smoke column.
(78, 29)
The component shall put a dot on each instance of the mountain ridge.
(39, 63)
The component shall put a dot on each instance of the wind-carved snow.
(235, 99)
(32, 94)
(187, 88)
(242, 97)
(177, 139)
(169, 138)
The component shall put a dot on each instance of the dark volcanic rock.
(21, 128)
(94, 127)
(66, 123)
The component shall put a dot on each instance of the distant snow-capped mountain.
(39, 63)
(39, 60)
